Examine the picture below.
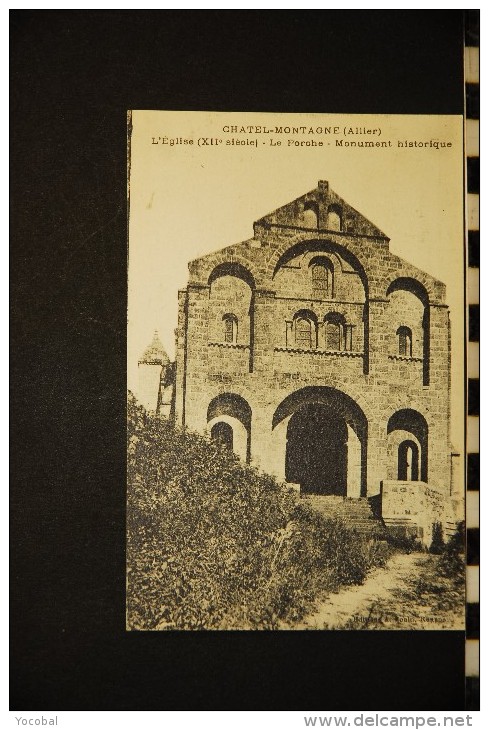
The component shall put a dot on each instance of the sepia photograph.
(295, 372)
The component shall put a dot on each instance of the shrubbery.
(212, 543)
(404, 540)
(452, 560)
(437, 543)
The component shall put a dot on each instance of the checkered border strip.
(471, 68)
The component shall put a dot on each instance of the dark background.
(73, 76)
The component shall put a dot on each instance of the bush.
(437, 543)
(213, 543)
(456, 543)
(404, 539)
(452, 560)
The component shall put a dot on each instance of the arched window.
(405, 338)
(322, 276)
(337, 332)
(310, 215)
(409, 295)
(230, 328)
(333, 336)
(303, 333)
(333, 219)
(223, 434)
(411, 454)
(304, 330)
(408, 462)
(320, 279)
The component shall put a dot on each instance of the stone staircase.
(356, 513)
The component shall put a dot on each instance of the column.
(354, 465)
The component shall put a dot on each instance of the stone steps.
(356, 513)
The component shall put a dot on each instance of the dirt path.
(378, 603)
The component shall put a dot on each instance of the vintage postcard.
(295, 372)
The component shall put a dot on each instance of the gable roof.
(322, 199)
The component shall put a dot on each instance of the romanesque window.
(310, 215)
(333, 218)
(338, 334)
(333, 336)
(409, 295)
(230, 328)
(322, 275)
(320, 280)
(229, 421)
(405, 341)
(303, 333)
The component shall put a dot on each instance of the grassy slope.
(213, 544)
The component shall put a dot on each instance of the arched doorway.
(316, 452)
(229, 421)
(408, 461)
(223, 434)
(319, 439)
(407, 443)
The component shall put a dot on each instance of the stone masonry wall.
(414, 504)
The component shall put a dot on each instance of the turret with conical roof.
(154, 369)
(155, 353)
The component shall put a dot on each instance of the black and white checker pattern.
(472, 26)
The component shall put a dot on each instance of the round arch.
(417, 289)
(305, 329)
(310, 214)
(321, 271)
(408, 461)
(234, 411)
(335, 331)
(232, 269)
(334, 217)
(410, 427)
(323, 433)
(407, 283)
(320, 247)
(222, 432)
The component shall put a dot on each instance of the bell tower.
(152, 369)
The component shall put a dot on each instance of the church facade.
(321, 357)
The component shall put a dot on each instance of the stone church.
(321, 357)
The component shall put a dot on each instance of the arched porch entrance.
(229, 422)
(223, 433)
(322, 436)
(407, 446)
(316, 452)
